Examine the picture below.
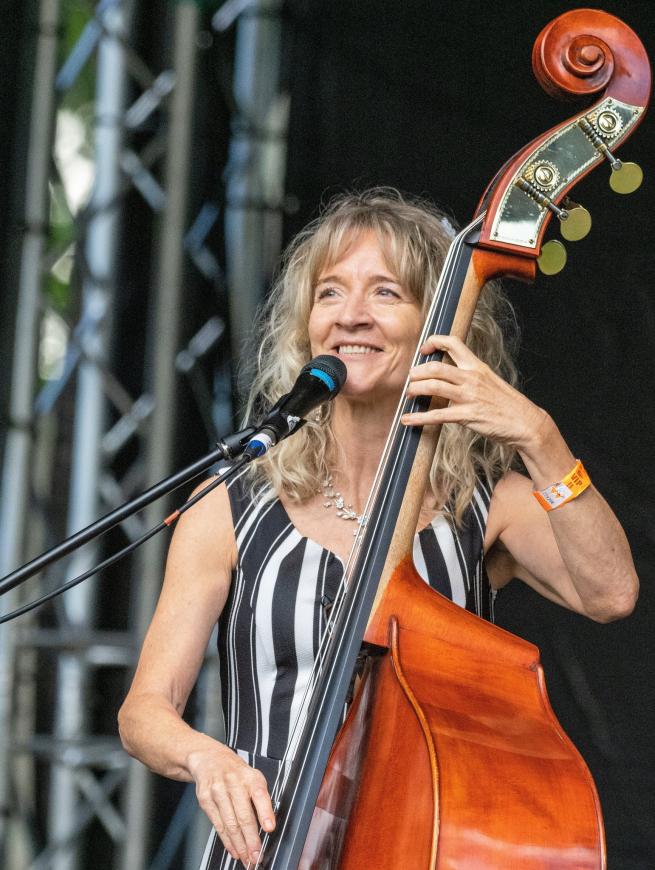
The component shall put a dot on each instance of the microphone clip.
(275, 427)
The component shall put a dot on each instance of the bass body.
(441, 765)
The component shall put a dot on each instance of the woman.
(265, 554)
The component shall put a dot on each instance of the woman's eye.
(388, 292)
(325, 292)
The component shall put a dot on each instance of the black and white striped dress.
(272, 623)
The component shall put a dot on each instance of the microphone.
(319, 380)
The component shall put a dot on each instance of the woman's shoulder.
(509, 484)
(231, 497)
(205, 531)
(492, 486)
(511, 498)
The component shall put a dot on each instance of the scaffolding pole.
(256, 166)
(19, 440)
(164, 341)
(78, 607)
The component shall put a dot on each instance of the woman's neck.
(360, 433)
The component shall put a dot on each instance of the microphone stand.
(230, 447)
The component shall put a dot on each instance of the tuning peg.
(576, 223)
(625, 177)
(552, 258)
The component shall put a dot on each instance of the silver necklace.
(336, 500)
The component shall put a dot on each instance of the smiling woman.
(265, 555)
(375, 256)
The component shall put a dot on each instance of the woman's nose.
(354, 311)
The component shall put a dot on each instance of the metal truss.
(91, 779)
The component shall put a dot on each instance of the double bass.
(449, 756)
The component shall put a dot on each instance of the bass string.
(441, 300)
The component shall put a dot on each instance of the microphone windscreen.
(330, 369)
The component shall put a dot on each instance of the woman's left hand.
(478, 397)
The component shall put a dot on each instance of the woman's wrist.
(204, 743)
(545, 453)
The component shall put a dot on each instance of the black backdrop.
(432, 97)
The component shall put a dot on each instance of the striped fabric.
(275, 615)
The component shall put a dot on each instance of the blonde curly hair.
(415, 237)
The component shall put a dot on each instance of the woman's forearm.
(152, 731)
(589, 537)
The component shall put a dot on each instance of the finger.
(434, 369)
(262, 802)
(231, 824)
(247, 823)
(436, 416)
(432, 387)
(460, 354)
(211, 811)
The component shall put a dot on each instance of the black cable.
(111, 560)
(74, 582)
(229, 447)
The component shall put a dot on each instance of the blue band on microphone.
(323, 376)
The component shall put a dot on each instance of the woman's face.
(363, 315)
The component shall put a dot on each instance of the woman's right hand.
(227, 790)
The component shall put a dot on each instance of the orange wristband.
(570, 487)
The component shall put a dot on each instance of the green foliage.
(79, 99)
(75, 16)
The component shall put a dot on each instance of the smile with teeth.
(357, 348)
